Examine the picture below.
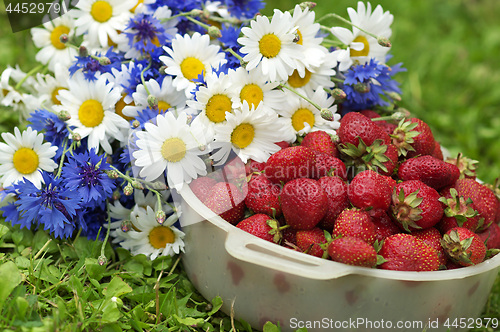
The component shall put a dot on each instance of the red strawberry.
(326, 165)
(390, 165)
(458, 212)
(415, 205)
(289, 238)
(253, 166)
(320, 141)
(353, 251)
(227, 201)
(387, 127)
(384, 226)
(304, 203)
(424, 142)
(437, 152)
(356, 223)
(463, 246)
(491, 236)
(372, 115)
(309, 241)
(283, 144)
(336, 192)
(290, 163)
(430, 170)
(201, 187)
(262, 226)
(432, 237)
(355, 126)
(263, 196)
(485, 201)
(404, 252)
(370, 190)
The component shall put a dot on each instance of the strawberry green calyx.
(456, 249)
(364, 157)
(458, 207)
(276, 230)
(406, 210)
(466, 166)
(403, 136)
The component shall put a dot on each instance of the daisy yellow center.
(91, 113)
(173, 149)
(217, 107)
(25, 160)
(120, 104)
(269, 45)
(366, 49)
(54, 95)
(101, 11)
(253, 94)
(296, 81)
(160, 236)
(163, 106)
(135, 7)
(243, 135)
(191, 68)
(301, 40)
(300, 116)
(56, 34)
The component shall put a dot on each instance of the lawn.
(450, 49)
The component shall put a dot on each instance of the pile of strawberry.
(378, 195)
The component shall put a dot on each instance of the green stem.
(61, 162)
(201, 24)
(28, 74)
(301, 96)
(230, 50)
(142, 77)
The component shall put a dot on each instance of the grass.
(451, 50)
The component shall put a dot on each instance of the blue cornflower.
(145, 33)
(90, 66)
(369, 85)
(54, 129)
(244, 8)
(94, 219)
(180, 6)
(85, 174)
(229, 38)
(53, 206)
(146, 115)
(135, 70)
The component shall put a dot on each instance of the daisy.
(189, 57)
(269, 46)
(316, 76)
(10, 96)
(169, 146)
(307, 32)
(250, 133)
(100, 20)
(255, 90)
(302, 117)
(166, 94)
(24, 155)
(215, 100)
(91, 106)
(52, 50)
(153, 239)
(361, 46)
(49, 86)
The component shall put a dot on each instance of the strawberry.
(432, 237)
(369, 190)
(404, 252)
(458, 212)
(391, 154)
(201, 187)
(290, 163)
(356, 223)
(320, 141)
(353, 251)
(424, 142)
(484, 199)
(263, 196)
(466, 166)
(309, 241)
(355, 126)
(437, 152)
(326, 165)
(262, 226)
(227, 201)
(283, 144)
(384, 226)
(336, 191)
(415, 205)
(304, 203)
(430, 170)
(491, 236)
(463, 246)
(289, 238)
(253, 166)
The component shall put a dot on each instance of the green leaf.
(3, 230)
(21, 307)
(116, 287)
(10, 277)
(216, 305)
(94, 269)
(270, 327)
(189, 321)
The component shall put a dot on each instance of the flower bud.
(152, 102)
(83, 52)
(160, 217)
(162, 70)
(214, 32)
(339, 94)
(102, 260)
(126, 226)
(196, 12)
(76, 137)
(307, 4)
(104, 61)
(116, 195)
(362, 87)
(383, 41)
(326, 114)
(136, 123)
(112, 174)
(63, 38)
(137, 185)
(128, 190)
(64, 115)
